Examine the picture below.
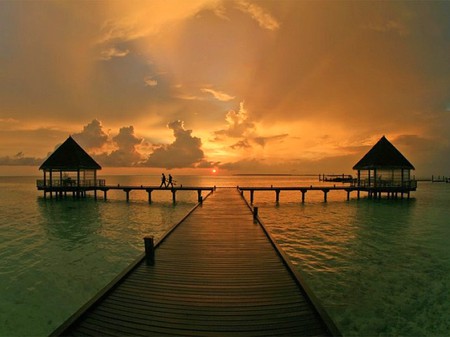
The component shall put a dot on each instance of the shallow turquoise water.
(381, 268)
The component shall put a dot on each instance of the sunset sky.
(241, 86)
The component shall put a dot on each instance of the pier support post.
(251, 196)
(303, 195)
(127, 191)
(325, 192)
(277, 198)
(149, 191)
(199, 196)
(255, 213)
(104, 195)
(149, 250)
(173, 196)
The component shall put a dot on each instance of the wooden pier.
(59, 191)
(374, 192)
(216, 273)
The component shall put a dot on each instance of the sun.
(214, 170)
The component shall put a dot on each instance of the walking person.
(170, 181)
(163, 180)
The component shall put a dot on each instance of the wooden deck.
(216, 274)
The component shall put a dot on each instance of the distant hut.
(385, 169)
(69, 168)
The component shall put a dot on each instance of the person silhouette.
(163, 180)
(170, 181)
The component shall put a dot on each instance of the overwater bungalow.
(385, 169)
(69, 168)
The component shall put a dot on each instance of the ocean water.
(379, 267)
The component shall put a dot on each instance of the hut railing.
(70, 183)
(366, 183)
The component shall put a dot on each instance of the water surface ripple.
(380, 268)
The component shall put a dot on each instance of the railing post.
(149, 250)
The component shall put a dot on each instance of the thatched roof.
(70, 156)
(383, 155)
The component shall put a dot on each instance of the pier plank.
(216, 274)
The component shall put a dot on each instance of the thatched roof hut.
(384, 167)
(72, 165)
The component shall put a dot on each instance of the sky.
(241, 86)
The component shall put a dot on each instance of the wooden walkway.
(216, 274)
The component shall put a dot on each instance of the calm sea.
(380, 268)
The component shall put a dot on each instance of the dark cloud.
(126, 154)
(242, 144)
(207, 164)
(185, 151)
(92, 136)
(19, 159)
(264, 140)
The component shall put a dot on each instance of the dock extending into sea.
(218, 272)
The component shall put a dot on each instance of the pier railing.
(70, 183)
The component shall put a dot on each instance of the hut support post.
(78, 183)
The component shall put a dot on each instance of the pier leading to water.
(216, 273)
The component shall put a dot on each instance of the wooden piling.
(149, 191)
(303, 195)
(149, 250)
(255, 213)
(325, 192)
